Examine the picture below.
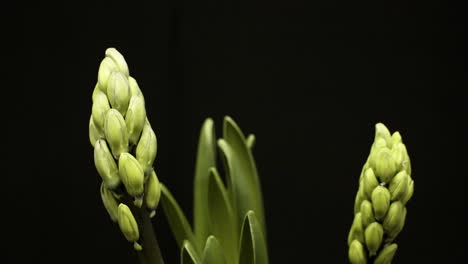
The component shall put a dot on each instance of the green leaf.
(243, 183)
(253, 249)
(206, 158)
(222, 222)
(213, 253)
(250, 141)
(175, 216)
(188, 254)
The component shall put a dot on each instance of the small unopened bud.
(105, 164)
(152, 192)
(381, 131)
(134, 88)
(356, 253)
(110, 202)
(385, 166)
(99, 110)
(373, 236)
(146, 148)
(399, 186)
(131, 175)
(127, 223)
(118, 92)
(380, 201)
(135, 118)
(105, 69)
(115, 131)
(386, 254)
(118, 59)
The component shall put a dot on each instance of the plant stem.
(150, 254)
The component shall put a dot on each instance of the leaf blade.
(178, 223)
(253, 248)
(213, 253)
(206, 158)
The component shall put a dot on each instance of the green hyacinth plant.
(124, 150)
(385, 187)
(229, 222)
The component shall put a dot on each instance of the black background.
(309, 80)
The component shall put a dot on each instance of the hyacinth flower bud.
(381, 131)
(367, 213)
(128, 225)
(99, 110)
(152, 193)
(394, 217)
(105, 69)
(134, 88)
(385, 166)
(119, 60)
(396, 138)
(378, 144)
(386, 254)
(110, 202)
(146, 148)
(356, 253)
(132, 176)
(409, 192)
(94, 133)
(399, 186)
(380, 201)
(115, 131)
(135, 118)
(369, 182)
(118, 91)
(373, 236)
(105, 164)
(357, 230)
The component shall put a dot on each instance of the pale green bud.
(409, 192)
(135, 118)
(356, 253)
(105, 164)
(110, 202)
(385, 166)
(378, 144)
(369, 182)
(105, 69)
(134, 88)
(394, 217)
(396, 138)
(94, 133)
(373, 236)
(128, 224)
(119, 60)
(152, 193)
(118, 92)
(386, 254)
(357, 230)
(380, 201)
(381, 131)
(406, 163)
(399, 186)
(131, 175)
(367, 213)
(393, 233)
(358, 201)
(115, 131)
(146, 148)
(99, 110)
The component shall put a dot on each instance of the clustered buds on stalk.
(124, 145)
(385, 186)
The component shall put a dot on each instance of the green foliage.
(229, 222)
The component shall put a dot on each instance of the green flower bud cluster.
(124, 145)
(385, 186)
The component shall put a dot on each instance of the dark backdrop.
(309, 80)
